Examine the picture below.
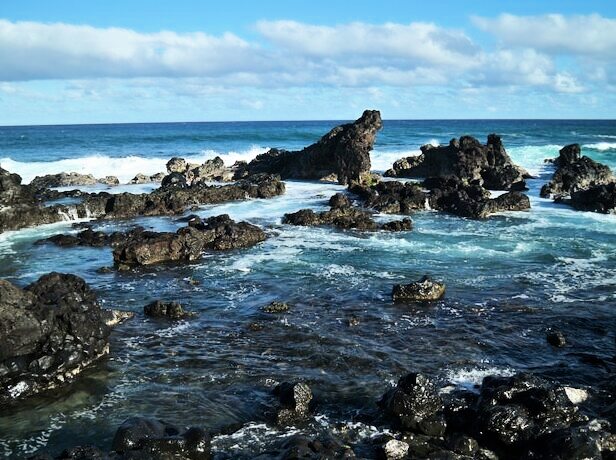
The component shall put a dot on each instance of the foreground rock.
(21, 207)
(424, 290)
(341, 155)
(344, 216)
(598, 198)
(49, 332)
(218, 233)
(294, 401)
(71, 179)
(488, 165)
(449, 194)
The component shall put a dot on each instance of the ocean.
(509, 279)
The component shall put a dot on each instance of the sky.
(72, 61)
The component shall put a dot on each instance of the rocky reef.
(71, 179)
(342, 155)
(581, 182)
(468, 159)
(49, 332)
(218, 233)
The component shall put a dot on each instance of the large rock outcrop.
(71, 179)
(218, 233)
(49, 331)
(213, 170)
(468, 159)
(341, 155)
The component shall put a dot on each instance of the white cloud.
(590, 35)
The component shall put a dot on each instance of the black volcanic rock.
(188, 243)
(469, 160)
(343, 154)
(419, 291)
(598, 198)
(49, 332)
(166, 310)
(294, 401)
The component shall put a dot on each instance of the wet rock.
(166, 310)
(556, 339)
(469, 160)
(144, 179)
(575, 174)
(211, 170)
(83, 453)
(63, 179)
(394, 450)
(392, 197)
(343, 154)
(339, 200)
(49, 332)
(176, 165)
(150, 438)
(294, 401)
(403, 225)
(91, 238)
(109, 180)
(174, 179)
(414, 404)
(598, 198)
(276, 307)
(302, 447)
(419, 291)
(218, 233)
(463, 445)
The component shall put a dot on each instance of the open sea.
(509, 278)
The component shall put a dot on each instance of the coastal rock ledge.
(49, 332)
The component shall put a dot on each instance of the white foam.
(124, 168)
(601, 146)
(382, 161)
(471, 378)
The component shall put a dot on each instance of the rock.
(343, 152)
(394, 450)
(176, 165)
(143, 179)
(211, 170)
(403, 225)
(302, 447)
(576, 395)
(83, 453)
(575, 174)
(166, 310)
(49, 332)
(89, 237)
(218, 233)
(598, 198)
(467, 159)
(150, 438)
(415, 405)
(63, 179)
(423, 290)
(109, 180)
(556, 339)
(276, 307)
(175, 179)
(294, 401)
(339, 200)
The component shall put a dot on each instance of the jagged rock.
(339, 200)
(420, 291)
(575, 173)
(344, 152)
(143, 179)
(599, 198)
(276, 307)
(415, 405)
(211, 170)
(49, 332)
(175, 179)
(166, 310)
(556, 339)
(176, 165)
(394, 449)
(188, 243)
(109, 180)
(294, 401)
(140, 437)
(89, 237)
(467, 159)
(63, 179)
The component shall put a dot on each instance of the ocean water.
(509, 278)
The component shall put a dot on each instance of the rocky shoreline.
(55, 327)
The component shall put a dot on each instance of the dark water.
(508, 279)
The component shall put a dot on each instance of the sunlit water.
(508, 279)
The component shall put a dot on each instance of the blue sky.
(139, 61)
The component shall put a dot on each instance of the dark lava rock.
(339, 200)
(467, 159)
(598, 198)
(403, 225)
(188, 243)
(63, 179)
(343, 154)
(276, 307)
(415, 405)
(556, 338)
(89, 237)
(166, 310)
(174, 179)
(575, 173)
(294, 401)
(144, 179)
(49, 332)
(211, 170)
(302, 447)
(143, 438)
(420, 291)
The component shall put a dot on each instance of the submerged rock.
(467, 159)
(92, 238)
(343, 154)
(188, 243)
(276, 307)
(49, 332)
(419, 291)
(166, 310)
(556, 339)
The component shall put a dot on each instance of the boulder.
(176, 165)
(63, 179)
(424, 290)
(598, 198)
(556, 339)
(339, 200)
(109, 180)
(343, 154)
(467, 159)
(143, 179)
(49, 332)
(294, 399)
(276, 307)
(218, 233)
(166, 310)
